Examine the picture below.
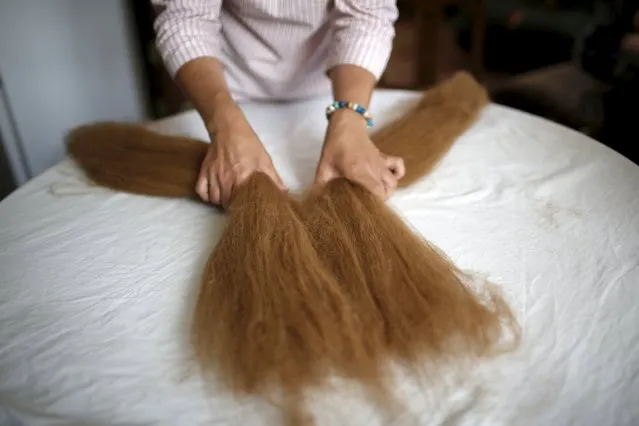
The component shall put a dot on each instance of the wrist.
(345, 130)
(226, 115)
(346, 119)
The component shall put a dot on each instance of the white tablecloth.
(97, 288)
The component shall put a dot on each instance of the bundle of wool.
(337, 284)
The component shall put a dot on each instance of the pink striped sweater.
(277, 49)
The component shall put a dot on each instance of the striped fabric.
(277, 49)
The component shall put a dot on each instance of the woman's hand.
(235, 154)
(349, 153)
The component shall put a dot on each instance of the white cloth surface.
(97, 287)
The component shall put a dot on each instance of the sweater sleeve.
(363, 33)
(186, 30)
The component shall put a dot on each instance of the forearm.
(363, 33)
(352, 83)
(188, 40)
(204, 83)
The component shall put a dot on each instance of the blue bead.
(336, 105)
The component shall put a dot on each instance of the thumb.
(277, 180)
(325, 175)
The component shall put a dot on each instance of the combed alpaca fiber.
(410, 296)
(423, 135)
(130, 158)
(337, 284)
(270, 315)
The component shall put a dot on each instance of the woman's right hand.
(235, 154)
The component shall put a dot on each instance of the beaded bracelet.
(337, 105)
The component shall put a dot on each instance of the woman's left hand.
(349, 153)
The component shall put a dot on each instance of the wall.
(7, 184)
(65, 63)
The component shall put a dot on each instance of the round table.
(97, 287)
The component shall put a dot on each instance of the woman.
(221, 52)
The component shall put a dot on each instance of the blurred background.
(68, 62)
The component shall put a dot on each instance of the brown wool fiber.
(337, 284)
(423, 135)
(130, 158)
(409, 295)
